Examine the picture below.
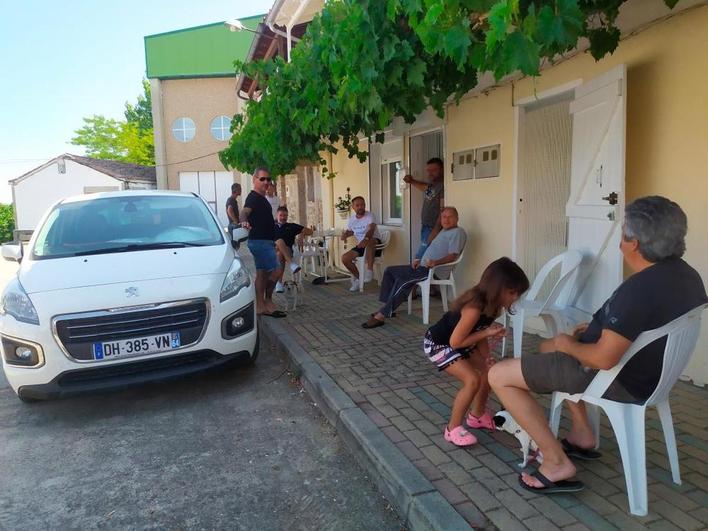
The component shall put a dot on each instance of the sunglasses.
(263, 179)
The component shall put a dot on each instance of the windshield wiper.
(139, 247)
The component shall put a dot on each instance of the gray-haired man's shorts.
(556, 371)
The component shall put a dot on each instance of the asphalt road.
(242, 449)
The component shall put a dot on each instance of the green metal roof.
(202, 51)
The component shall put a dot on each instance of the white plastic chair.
(445, 283)
(627, 420)
(553, 310)
(378, 260)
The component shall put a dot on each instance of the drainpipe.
(291, 23)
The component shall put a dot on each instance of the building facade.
(194, 98)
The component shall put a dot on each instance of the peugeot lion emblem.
(131, 292)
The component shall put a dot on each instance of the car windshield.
(124, 224)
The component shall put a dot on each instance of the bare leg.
(463, 371)
(508, 383)
(479, 362)
(349, 261)
(261, 284)
(271, 279)
(282, 253)
(581, 433)
(370, 253)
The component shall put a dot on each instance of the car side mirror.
(238, 236)
(12, 252)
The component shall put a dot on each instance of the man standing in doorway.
(432, 203)
(257, 216)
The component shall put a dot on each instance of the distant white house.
(67, 175)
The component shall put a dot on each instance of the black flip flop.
(563, 486)
(277, 314)
(571, 450)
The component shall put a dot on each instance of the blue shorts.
(263, 252)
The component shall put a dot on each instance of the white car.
(122, 288)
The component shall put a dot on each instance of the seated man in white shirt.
(363, 227)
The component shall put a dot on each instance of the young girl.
(458, 344)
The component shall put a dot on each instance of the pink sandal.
(460, 436)
(484, 422)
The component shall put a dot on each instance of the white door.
(596, 203)
(423, 147)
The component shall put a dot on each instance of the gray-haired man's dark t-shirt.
(647, 300)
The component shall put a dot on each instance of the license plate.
(139, 345)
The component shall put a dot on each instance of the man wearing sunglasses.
(257, 217)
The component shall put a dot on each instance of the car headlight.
(17, 303)
(236, 279)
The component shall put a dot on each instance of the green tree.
(129, 140)
(7, 223)
(362, 63)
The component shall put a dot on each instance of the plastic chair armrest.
(604, 378)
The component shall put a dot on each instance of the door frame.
(408, 216)
(520, 107)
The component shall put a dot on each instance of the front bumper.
(60, 373)
(131, 373)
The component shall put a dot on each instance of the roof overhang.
(289, 13)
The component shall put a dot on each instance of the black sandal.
(586, 454)
(562, 486)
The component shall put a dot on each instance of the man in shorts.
(285, 235)
(363, 227)
(662, 288)
(257, 216)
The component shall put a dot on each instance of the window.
(221, 128)
(184, 129)
(126, 224)
(391, 191)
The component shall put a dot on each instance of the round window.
(220, 128)
(184, 129)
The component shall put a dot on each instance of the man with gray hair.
(662, 288)
(398, 281)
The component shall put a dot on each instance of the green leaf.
(603, 41)
(431, 17)
(671, 3)
(415, 73)
(522, 53)
(457, 43)
(499, 21)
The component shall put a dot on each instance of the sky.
(61, 61)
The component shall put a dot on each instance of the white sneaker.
(294, 267)
(368, 275)
(355, 285)
(279, 288)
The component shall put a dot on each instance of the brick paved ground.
(385, 372)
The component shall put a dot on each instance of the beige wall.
(202, 100)
(667, 131)
(355, 175)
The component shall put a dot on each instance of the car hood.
(39, 276)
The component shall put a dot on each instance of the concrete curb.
(415, 498)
